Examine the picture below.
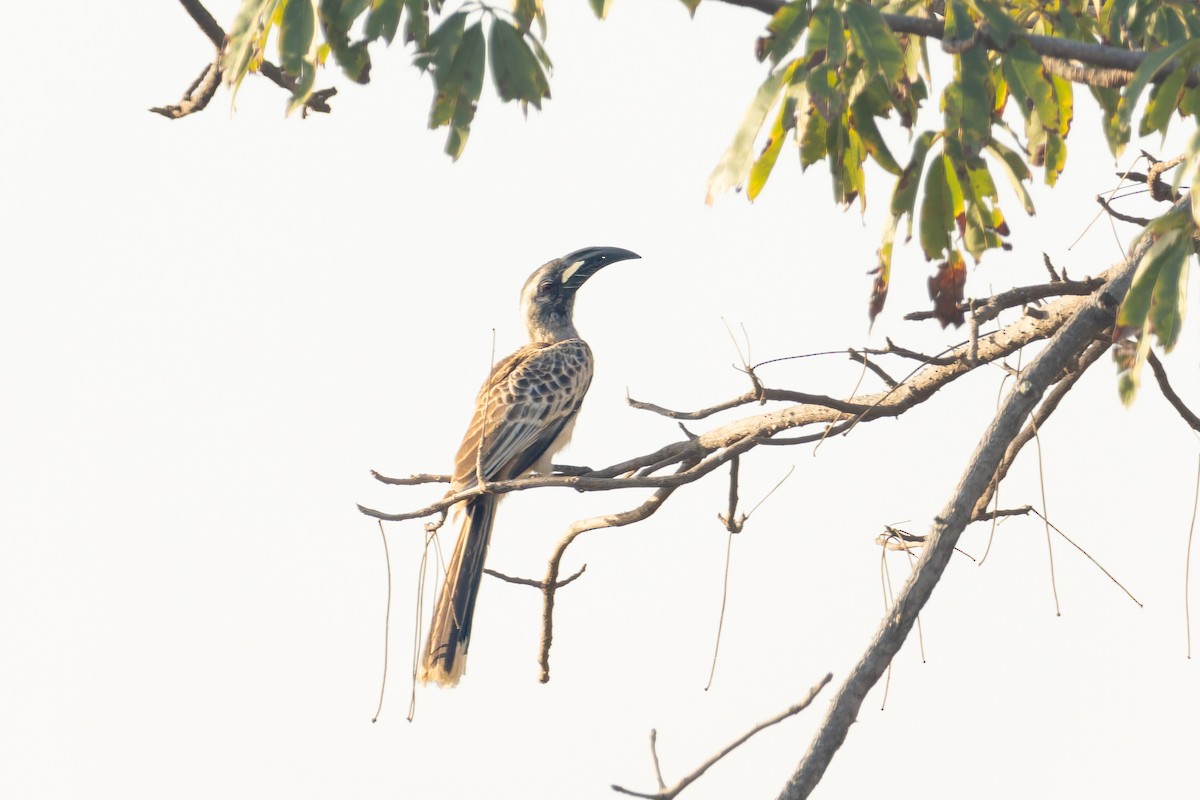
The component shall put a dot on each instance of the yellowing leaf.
(734, 165)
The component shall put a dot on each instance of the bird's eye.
(545, 286)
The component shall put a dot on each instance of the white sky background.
(215, 327)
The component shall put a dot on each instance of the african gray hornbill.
(523, 416)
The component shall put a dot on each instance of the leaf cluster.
(838, 69)
(456, 48)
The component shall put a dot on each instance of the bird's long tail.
(446, 649)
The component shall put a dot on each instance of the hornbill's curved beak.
(583, 264)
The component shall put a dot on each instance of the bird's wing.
(522, 408)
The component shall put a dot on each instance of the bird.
(524, 414)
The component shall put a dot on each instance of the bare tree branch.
(211, 77)
(1160, 374)
(652, 504)
(667, 793)
(989, 308)
(1112, 212)
(1081, 62)
(531, 582)
(708, 451)
(197, 95)
(1089, 318)
(1038, 419)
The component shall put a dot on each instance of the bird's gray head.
(548, 298)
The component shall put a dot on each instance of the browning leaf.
(946, 290)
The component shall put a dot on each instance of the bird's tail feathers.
(445, 656)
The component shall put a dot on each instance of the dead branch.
(665, 793)
(987, 309)
(1038, 419)
(651, 504)
(1117, 215)
(879, 371)
(211, 78)
(1160, 374)
(530, 581)
(757, 395)
(1090, 317)
(196, 97)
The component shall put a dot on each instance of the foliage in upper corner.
(450, 45)
(839, 67)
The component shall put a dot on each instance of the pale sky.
(216, 327)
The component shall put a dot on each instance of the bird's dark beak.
(583, 264)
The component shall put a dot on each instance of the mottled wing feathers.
(527, 401)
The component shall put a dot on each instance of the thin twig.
(665, 793)
(387, 623)
(1112, 212)
(1187, 565)
(541, 585)
(1037, 443)
(1088, 556)
(1160, 374)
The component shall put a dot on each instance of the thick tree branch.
(1038, 419)
(1090, 317)
(1102, 64)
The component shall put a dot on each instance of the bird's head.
(548, 298)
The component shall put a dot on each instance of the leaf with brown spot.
(946, 290)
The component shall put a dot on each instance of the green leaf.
(959, 26)
(1130, 380)
(846, 156)
(442, 45)
(1167, 304)
(1028, 84)
(692, 5)
(973, 74)
(245, 37)
(1001, 26)
(1064, 97)
(600, 7)
(1164, 99)
(341, 13)
(1142, 76)
(1166, 231)
(1117, 136)
(458, 88)
(383, 20)
(826, 36)
(297, 27)
(783, 31)
(873, 40)
(1056, 156)
(735, 163)
(336, 18)
(785, 120)
(813, 141)
(416, 24)
(1017, 171)
(516, 70)
(862, 121)
(825, 91)
(904, 196)
(937, 215)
